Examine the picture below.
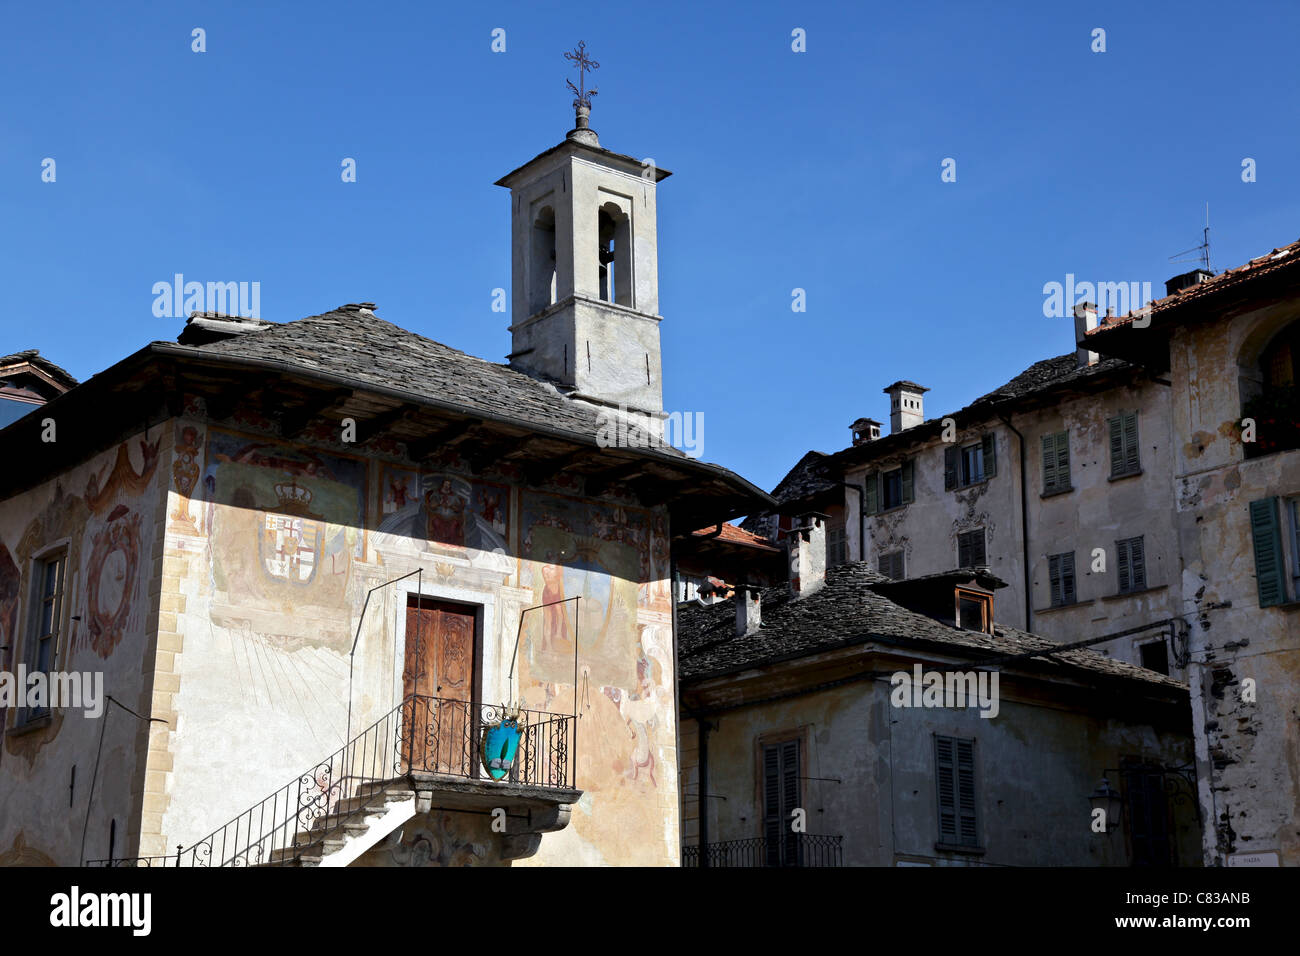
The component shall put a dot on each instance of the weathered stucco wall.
(1248, 751)
(267, 624)
(1096, 513)
(1037, 762)
(106, 514)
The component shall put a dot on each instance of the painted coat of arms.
(291, 536)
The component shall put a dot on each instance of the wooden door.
(438, 684)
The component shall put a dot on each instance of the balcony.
(795, 849)
(423, 755)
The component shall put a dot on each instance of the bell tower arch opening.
(541, 266)
(614, 238)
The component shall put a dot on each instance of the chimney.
(1085, 320)
(865, 430)
(808, 554)
(748, 609)
(1187, 280)
(905, 410)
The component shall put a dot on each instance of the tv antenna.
(1202, 251)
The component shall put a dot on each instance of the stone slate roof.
(848, 610)
(33, 356)
(354, 342)
(1037, 382)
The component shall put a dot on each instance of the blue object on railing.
(500, 744)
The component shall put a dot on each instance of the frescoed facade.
(316, 582)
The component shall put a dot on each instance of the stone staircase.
(352, 827)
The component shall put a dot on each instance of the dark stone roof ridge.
(849, 610)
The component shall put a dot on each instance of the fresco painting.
(293, 526)
(573, 548)
(447, 511)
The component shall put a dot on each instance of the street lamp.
(1107, 799)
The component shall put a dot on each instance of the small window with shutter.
(969, 464)
(1124, 458)
(835, 552)
(889, 489)
(1060, 574)
(891, 565)
(1270, 564)
(954, 771)
(1056, 462)
(780, 799)
(970, 549)
(1131, 558)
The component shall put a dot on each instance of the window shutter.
(963, 550)
(907, 481)
(873, 494)
(1137, 564)
(990, 455)
(1131, 463)
(1125, 578)
(1269, 568)
(1116, 426)
(950, 467)
(1063, 460)
(1054, 579)
(945, 772)
(1067, 578)
(1049, 463)
(966, 792)
(772, 802)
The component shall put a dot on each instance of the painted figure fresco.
(447, 511)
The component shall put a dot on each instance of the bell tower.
(585, 267)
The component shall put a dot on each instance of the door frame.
(472, 601)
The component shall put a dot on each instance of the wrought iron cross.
(584, 63)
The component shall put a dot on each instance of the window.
(891, 565)
(1060, 574)
(954, 772)
(46, 621)
(1148, 816)
(1056, 462)
(889, 489)
(834, 545)
(1155, 656)
(974, 611)
(969, 464)
(1270, 563)
(1132, 565)
(1295, 545)
(780, 798)
(1124, 445)
(970, 549)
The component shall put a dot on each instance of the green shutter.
(950, 467)
(873, 495)
(1138, 563)
(1063, 461)
(1116, 426)
(1067, 578)
(907, 481)
(990, 455)
(1049, 463)
(1269, 567)
(945, 773)
(967, 824)
(1131, 462)
(1054, 579)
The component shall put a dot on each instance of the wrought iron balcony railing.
(794, 849)
(422, 735)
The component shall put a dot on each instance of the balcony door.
(440, 725)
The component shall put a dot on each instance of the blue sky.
(817, 170)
